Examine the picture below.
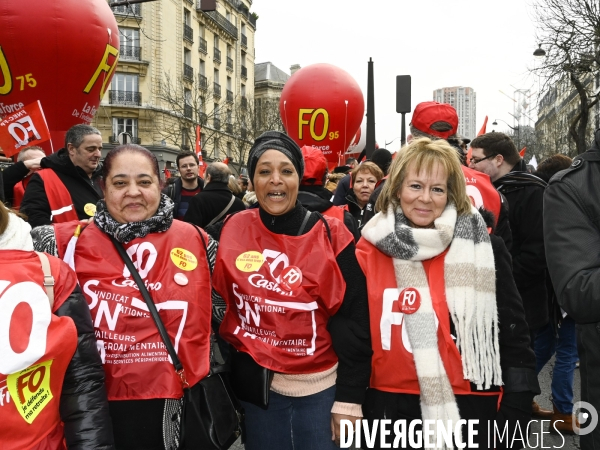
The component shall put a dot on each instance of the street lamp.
(539, 52)
(517, 129)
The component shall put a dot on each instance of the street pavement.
(536, 439)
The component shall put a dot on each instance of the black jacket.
(173, 191)
(524, 193)
(82, 188)
(10, 177)
(83, 402)
(317, 199)
(209, 203)
(342, 189)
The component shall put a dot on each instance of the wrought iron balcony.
(217, 89)
(252, 20)
(132, 98)
(217, 54)
(130, 53)
(217, 123)
(188, 72)
(188, 111)
(229, 128)
(191, 2)
(221, 21)
(188, 33)
(229, 96)
(202, 82)
(127, 10)
(244, 41)
(229, 63)
(202, 47)
(244, 72)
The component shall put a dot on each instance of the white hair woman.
(448, 329)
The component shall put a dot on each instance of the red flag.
(167, 173)
(23, 128)
(522, 152)
(483, 128)
(201, 165)
(469, 156)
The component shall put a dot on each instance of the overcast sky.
(486, 45)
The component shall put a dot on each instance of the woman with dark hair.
(51, 378)
(294, 292)
(447, 325)
(171, 257)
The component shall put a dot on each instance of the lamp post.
(517, 129)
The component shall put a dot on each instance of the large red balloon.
(322, 106)
(61, 52)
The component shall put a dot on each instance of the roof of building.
(267, 71)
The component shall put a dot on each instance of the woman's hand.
(335, 425)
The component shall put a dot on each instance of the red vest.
(393, 366)
(482, 192)
(37, 347)
(19, 192)
(284, 330)
(59, 199)
(174, 268)
(337, 212)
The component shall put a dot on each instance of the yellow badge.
(30, 390)
(90, 209)
(183, 259)
(249, 261)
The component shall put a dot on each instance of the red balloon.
(322, 106)
(61, 52)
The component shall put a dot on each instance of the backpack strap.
(48, 278)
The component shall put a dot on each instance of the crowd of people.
(433, 284)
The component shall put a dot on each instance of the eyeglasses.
(478, 160)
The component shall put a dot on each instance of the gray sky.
(486, 45)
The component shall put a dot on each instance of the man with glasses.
(496, 155)
(188, 185)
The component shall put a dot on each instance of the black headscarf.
(275, 140)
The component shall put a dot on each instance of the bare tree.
(569, 31)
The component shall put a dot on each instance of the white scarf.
(470, 283)
(16, 236)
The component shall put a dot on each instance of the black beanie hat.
(275, 140)
(383, 158)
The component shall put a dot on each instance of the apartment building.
(180, 67)
(464, 100)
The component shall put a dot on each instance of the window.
(228, 15)
(202, 68)
(187, 94)
(229, 116)
(229, 83)
(216, 41)
(217, 113)
(229, 51)
(229, 149)
(130, 43)
(125, 82)
(187, 57)
(187, 18)
(243, 90)
(216, 76)
(243, 29)
(123, 125)
(201, 31)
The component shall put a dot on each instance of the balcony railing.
(221, 21)
(130, 53)
(126, 10)
(125, 98)
(229, 128)
(217, 89)
(229, 96)
(252, 20)
(202, 82)
(188, 111)
(191, 2)
(114, 139)
(244, 72)
(188, 72)
(244, 41)
(217, 123)
(188, 33)
(217, 54)
(244, 101)
(202, 47)
(229, 63)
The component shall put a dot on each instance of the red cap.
(427, 113)
(315, 166)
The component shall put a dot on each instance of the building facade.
(464, 100)
(180, 68)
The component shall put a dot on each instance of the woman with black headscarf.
(293, 287)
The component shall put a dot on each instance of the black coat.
(82, 188)
(525, 194)
(173, 191)
(317, 198)
(10, 177)
(209, 203)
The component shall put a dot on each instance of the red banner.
(24, 128)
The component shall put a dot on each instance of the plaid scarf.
(126, 232)
(470, 282)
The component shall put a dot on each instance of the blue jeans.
(546, 343)
(291, 423)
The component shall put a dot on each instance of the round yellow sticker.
(90, 209)
(183, 259)
(249, 261)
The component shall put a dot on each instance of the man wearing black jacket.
(187, 186)
(16, 177)
(572, 239)
(77, 169)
